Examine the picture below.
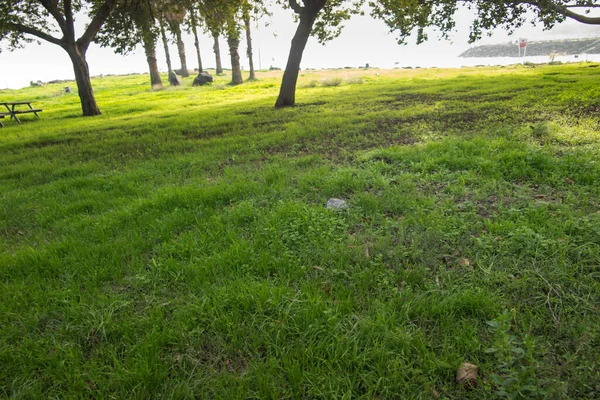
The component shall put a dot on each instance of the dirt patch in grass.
(410, 99)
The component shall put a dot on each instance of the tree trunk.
(287, 92)
(173, 78)
(236, 71)
(163, 35)
(150, 49)
(249, 47)
(84, 84)
(196, 41)
(181, 49)
(217, 53)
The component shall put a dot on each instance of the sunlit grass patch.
(179, 245)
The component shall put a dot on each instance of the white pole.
(258, 43)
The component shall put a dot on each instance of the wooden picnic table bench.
(13, 112)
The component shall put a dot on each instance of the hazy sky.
(364, 40)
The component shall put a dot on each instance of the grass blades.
(178, 246)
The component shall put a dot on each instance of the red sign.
(522, 43)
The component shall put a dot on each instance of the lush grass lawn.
(178, 246)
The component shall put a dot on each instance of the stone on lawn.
(337, 204)
(174, 80)
(203, 78)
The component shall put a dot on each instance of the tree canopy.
(133, 22)
(24, 21)
(489, 14)
(324, 19)
(43, 19)
(125, 29)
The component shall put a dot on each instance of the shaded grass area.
(178, 246)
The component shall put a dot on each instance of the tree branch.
(70, 27)
(566, 11)
(103, 12)
(295, 6)
(32, 31)
(52, 7)
(582, 18)
(589, 3)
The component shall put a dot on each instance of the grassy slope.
(178, 245)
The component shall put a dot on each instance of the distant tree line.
(125, 24)
(144, 22)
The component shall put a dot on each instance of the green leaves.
(515, 366)
(329, 23)
(128, 26)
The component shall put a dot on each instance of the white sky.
(364, 40)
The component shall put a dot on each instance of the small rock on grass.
(467, 374)
(337, 204)
(203, 78)
(174, 80)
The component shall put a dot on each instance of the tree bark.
(249, 47)
(181, 49)
(236, 71)
(163, 36)
(196, 40)
(84, 84)
(173, 78)
(287, 92)
(217, 53)
(150, 49)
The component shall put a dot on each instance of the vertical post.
(258, 44)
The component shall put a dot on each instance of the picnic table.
(12, 111)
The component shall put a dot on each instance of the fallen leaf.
(467, 374)
(569, 180)
(465, 262)
(229, 367)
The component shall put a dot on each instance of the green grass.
(178, 246)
